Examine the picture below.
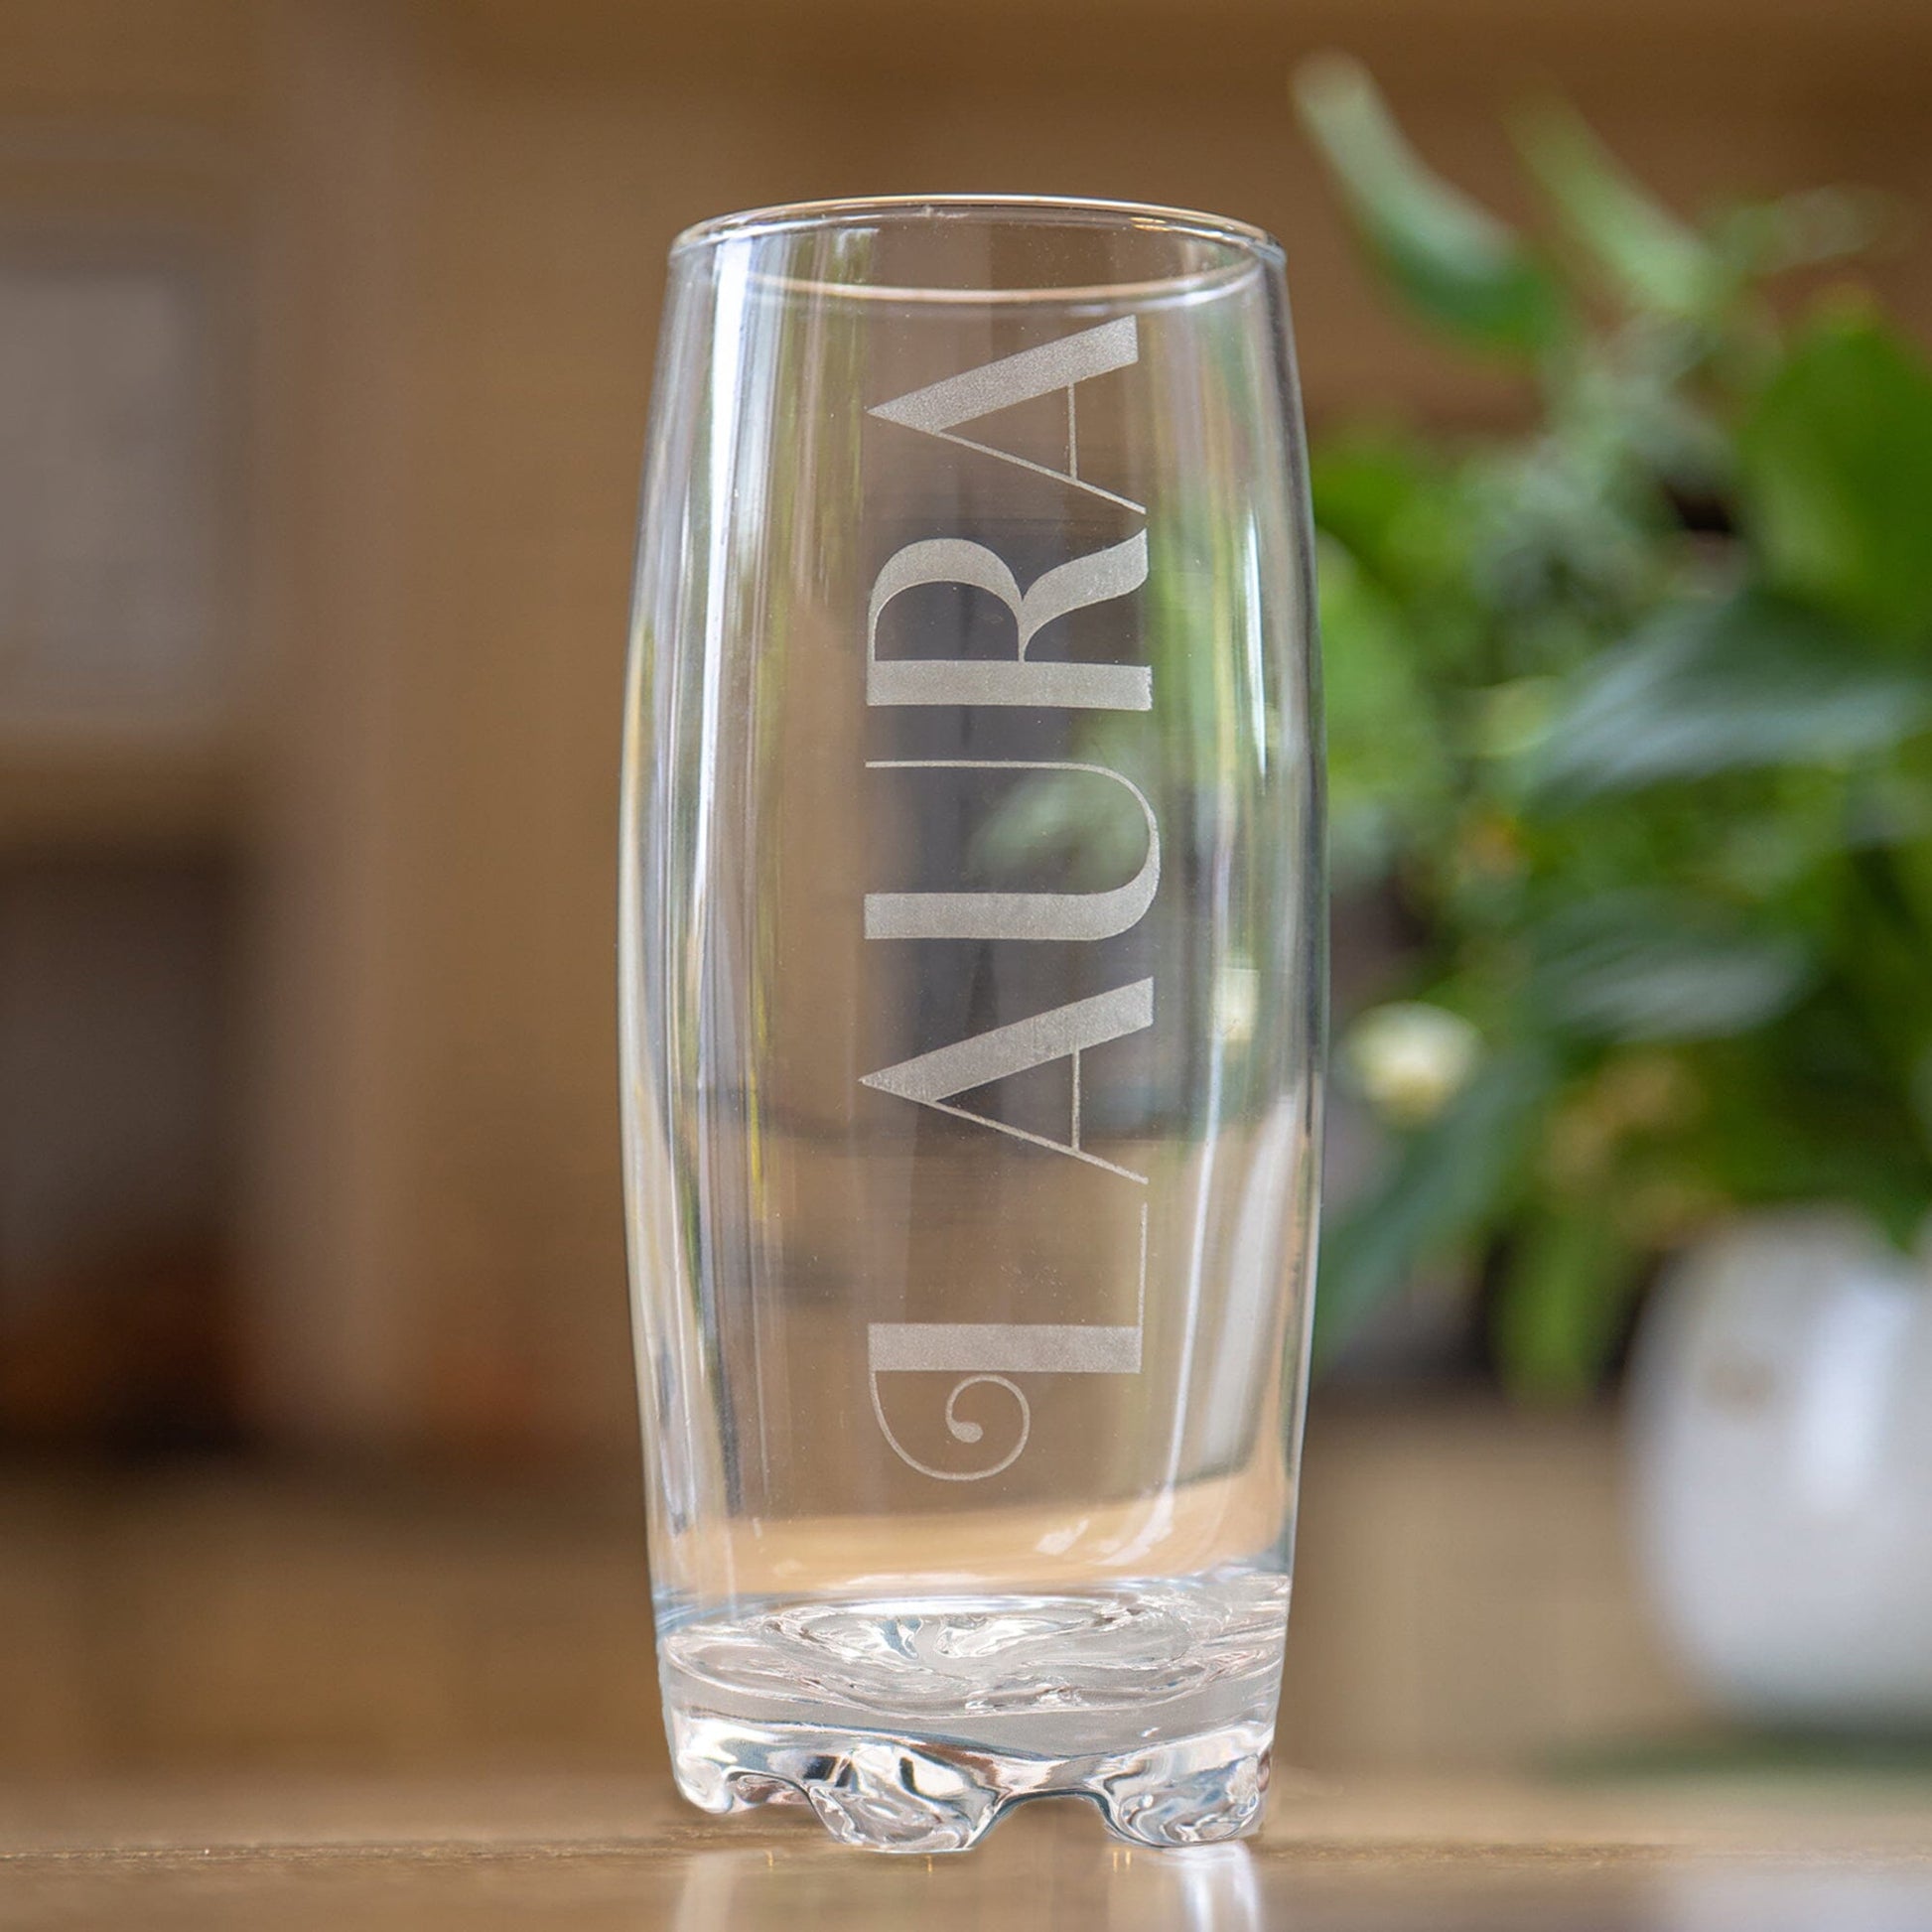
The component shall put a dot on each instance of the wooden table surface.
(574, 1854)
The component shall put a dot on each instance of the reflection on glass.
(1053, 1881)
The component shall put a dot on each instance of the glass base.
(912, 1726)
(901, 1794)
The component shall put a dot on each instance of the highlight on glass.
(972, 996)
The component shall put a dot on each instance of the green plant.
(1632, 713)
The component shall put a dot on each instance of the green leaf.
(1737, 684)
(1818, 224)
(1819, 1117)
(1457, 266)
(1648, 255)
(1445, 1181)
(1563, 1294)
(1649, 966)
(1835, 473)
(1368, 489)
(1385, 744)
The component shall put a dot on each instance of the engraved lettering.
(1017, 915)
(940, 407)
(935, 1079)
(1012, 1348)
(1109, 573)
(987, 1355)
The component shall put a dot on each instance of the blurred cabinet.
(121, 680)
(124, 241)
(110, 511)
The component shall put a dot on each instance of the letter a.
(941, 407)
(933, 1079)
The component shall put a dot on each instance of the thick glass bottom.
(912, 1726)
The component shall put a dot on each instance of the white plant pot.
(1781, 1412)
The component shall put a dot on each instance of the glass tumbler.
(972, 996)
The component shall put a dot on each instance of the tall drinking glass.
(972, 1001)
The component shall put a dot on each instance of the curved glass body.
(972, 995)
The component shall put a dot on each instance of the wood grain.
(610, 1853)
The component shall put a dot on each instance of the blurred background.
(326, 343)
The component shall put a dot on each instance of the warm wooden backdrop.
(445, 221)
(436, 228)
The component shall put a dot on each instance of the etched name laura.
(981, 1353)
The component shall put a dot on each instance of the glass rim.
(1249, 247)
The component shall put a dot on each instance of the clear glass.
(972, 1001)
